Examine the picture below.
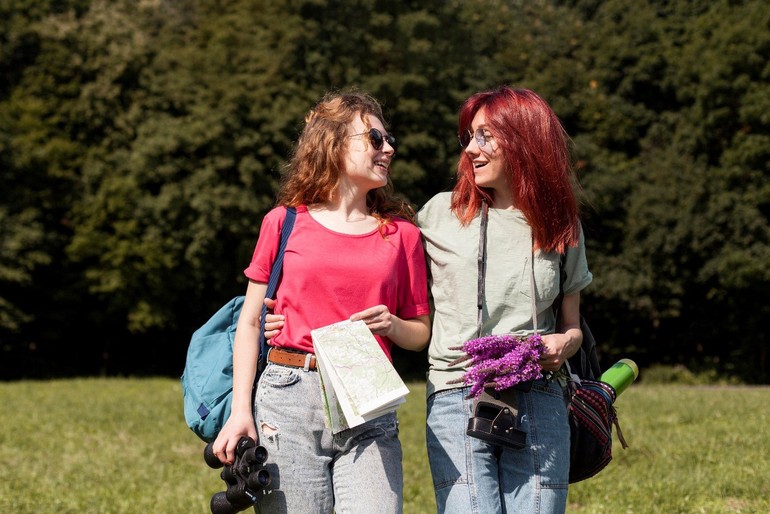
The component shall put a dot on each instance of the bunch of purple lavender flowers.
(500, 361)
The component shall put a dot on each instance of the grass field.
(121, 446)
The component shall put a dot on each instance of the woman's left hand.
(378, 319)
(560, 347)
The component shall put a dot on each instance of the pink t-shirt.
(328, 276)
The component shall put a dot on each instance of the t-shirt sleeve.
(267, 246)
(413, 282)
(576, 267)
(435, 207)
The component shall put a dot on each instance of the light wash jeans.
(471, 476)
(355, 471)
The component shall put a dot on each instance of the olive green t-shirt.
(452, 254)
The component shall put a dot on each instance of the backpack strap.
(272, 286)
(585, 363)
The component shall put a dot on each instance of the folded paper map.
(358, 381)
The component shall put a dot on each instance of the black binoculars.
(246, 477)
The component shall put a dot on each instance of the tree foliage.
(142, 142)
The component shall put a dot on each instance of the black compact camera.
(495, 418)
(246, 477)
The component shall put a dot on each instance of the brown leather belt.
(302, 360)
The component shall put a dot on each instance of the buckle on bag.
(494, 420)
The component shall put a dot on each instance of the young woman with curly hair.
(354, 253)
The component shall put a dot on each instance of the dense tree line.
(142, 142)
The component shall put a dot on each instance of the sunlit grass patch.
(122, 446)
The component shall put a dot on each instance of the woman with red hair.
(514, 174)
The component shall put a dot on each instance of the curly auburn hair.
(535, 148)
(313, 172)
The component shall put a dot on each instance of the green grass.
(121, 446)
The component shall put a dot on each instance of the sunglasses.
(377, 138)
(481, 137)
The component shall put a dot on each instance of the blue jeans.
(472, 476)
(313, 471)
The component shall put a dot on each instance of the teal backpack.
(207, 381)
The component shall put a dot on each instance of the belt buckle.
(308, 358)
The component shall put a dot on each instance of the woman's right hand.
(273, 322)
(237, 425)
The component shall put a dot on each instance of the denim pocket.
(549, 387)
(279, 376)
(440, 394)
(384, 426)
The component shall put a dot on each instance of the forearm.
(410, 334)
(246, 347)
(573, 342)
(566, 342)
(245, 355)
(569, 324)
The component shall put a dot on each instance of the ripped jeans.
(313, 471)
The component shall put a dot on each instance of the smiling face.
(488, 161)
(366, 167)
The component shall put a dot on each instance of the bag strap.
(272, 285)
(556, 306)
(482, 266)
(562, 277)
(586, 360)
(532, 283)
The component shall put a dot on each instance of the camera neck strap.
(482, 267)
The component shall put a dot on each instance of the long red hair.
(535, 148)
